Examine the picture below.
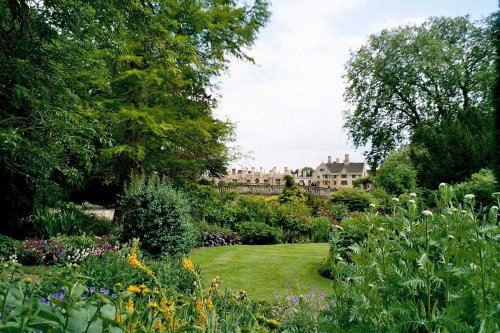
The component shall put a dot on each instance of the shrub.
(335, 212)
(355, 199)
(8, 247)
(221, 238)
(482, 184)
(291, 192)
(294, 219)
(321, 229)
(259, 233)
(159, 216)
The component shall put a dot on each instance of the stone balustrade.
(273, 189)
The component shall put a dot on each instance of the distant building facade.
(336, 174)
(332, 175)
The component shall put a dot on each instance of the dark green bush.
(159, 216)
(294, 219)
(259, 233)
(8, 247)
(356, 200)
(321, 229)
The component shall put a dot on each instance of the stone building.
(336, 175)
(256, 177)
(331, 175)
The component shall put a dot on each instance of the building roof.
(350, 168)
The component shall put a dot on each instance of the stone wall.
(273, 189)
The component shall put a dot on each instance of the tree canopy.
(113, 88)
(414, 77)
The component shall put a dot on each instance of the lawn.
(262, 271)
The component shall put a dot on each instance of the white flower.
(427, 213)
(412, 202)
(372, 205)
(496, 195)
(413, 195)
(395, 200)
(469, 197)
(381, 229)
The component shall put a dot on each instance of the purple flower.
(311, 295)
(92, 290)
(288, 298)
(104, 291)
(321, 295)
(44, 300)
(288, 285)
(295, 300)
(59, 296)
(114, 296)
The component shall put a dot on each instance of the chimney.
(329, 159)
(286, 170)
(233, 171)
(337, 160)
(346, 159)
(274, 170)
(304, 173)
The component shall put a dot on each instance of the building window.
(256, 181)
(277, 181)
(344, 182)
(325, 176)
(248, 181)
(266, 181)
(335, 183)
(317, 177)
(234, 180)
(353, 176)
(344, 176)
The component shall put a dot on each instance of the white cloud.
(288, 107)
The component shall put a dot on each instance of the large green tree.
(412, 78)
(130, 82)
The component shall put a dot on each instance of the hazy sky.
(288, 107)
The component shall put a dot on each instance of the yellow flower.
(119, 318)
(28, 280)
(134, 289)
(132, 259)
(209, 304)
(199, 305)
(144, 289)
(130, 305)
(153, 305)
(167, 307)
(201, 319)
(187, 265)
(159, 325)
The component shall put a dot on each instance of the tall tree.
(129, 80)
(414, 76)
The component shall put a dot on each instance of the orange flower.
(201, 319)
(159, 325)
(209, 304)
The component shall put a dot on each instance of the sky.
(288, 106)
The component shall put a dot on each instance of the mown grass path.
(263, 270)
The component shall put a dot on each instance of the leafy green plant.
(321, 229)
(159, 215)
(429, 271)
(355, 199)
(259, 233)
(8, 247)
(294, 219)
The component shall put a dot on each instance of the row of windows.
(342, 176)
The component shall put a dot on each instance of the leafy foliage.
(416, 77)
(259, 233)
(429, 271)
(397, 174)
(159, 215)
(321, 229)
(291, 192)
(294, 219)
(356, 200)
(8, 247)
(220, 238)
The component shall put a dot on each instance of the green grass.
(264, 270)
